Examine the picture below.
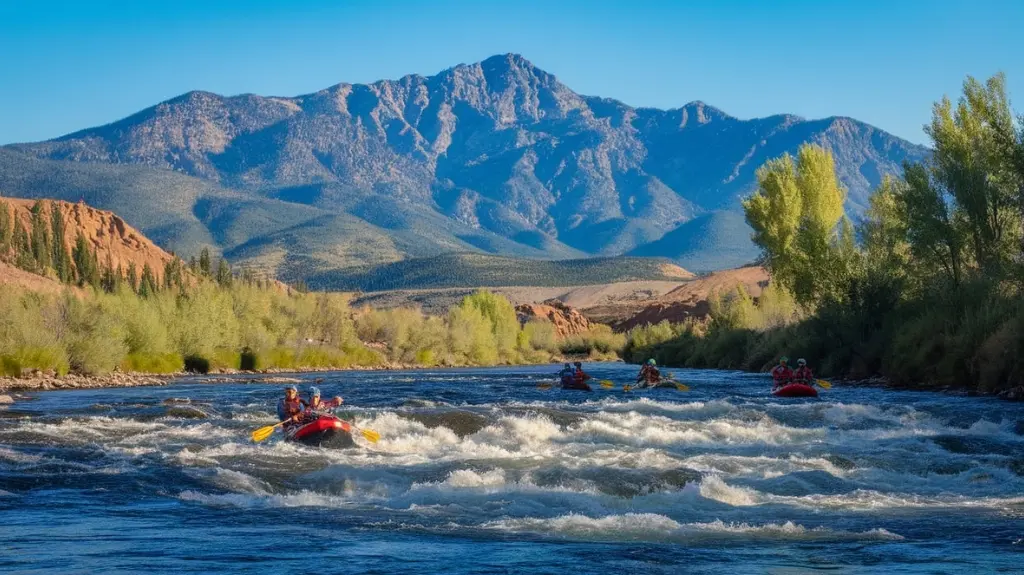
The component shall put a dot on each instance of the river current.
(479, 471)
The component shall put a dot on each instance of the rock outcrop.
(567, 320)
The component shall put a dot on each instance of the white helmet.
(801, 361)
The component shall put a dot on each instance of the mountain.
(113, 243)
(481, 270)
(717, 240)
(497, 157)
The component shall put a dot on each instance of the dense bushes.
(239, 325)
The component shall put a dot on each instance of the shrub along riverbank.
(255, 326)
(926, 291)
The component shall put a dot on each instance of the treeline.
(925, 290)
(254, 325)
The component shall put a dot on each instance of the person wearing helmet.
(782, 374)
(315, 403)
(803, 374)
(649, 374)
(567, 375)
(579, 376)
(289, 408)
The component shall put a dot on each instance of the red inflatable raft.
(573, 383)
(795, 390)
(325, 430)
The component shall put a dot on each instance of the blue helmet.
(291, 388)
(314, 391)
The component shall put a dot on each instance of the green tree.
(5, 229)
(108, 281)
(971, 166)
(147, 283)
(799, 223)
(62, 263)
(42, 249)
(884, 229)
(223, 273)
(133, 277)
(22, 248)
(204, 262)
(501, 314)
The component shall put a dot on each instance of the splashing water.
(480, 471)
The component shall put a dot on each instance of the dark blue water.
(478, 471)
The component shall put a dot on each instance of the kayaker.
(782, 374)
(290, 407)
(580, 376)
(803, 374)
(649, 373)
(315, 404)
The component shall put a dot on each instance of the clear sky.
(69, 65)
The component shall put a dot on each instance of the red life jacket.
(803, 374)
(782, 374)
(291, 407)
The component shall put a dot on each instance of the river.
(479, 471)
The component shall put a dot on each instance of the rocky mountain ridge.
(497, 156)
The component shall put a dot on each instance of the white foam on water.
(655, 527)
(8, 454)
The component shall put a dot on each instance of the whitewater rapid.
(486, 456)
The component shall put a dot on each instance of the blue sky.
(69, 65)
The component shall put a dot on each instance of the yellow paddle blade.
(627, 388)
(681, 387)
(824, 384)
(544, 386)
(606, 384)
(263, 433)
(370, 435)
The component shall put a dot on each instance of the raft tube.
(568, 383)
(325, 430)
(795, 390)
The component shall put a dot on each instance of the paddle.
(679, 386)
(824, 384)
(265, 432)
(370, 435)
(544, 386)
(606, 384)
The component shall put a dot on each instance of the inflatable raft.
(325, 430)
(795, 390)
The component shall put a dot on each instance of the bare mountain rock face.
(113, 243)
(496, 157)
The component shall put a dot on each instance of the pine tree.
(147, 284)
(42, 250)
(133, 277)
(204, 262)
(224, 273)
(107, 281)
(192, 265)
(61, 258)
(82, 258)
(23, 249)
(5, 229)
(95, 273)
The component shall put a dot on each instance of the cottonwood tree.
(799, 222)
